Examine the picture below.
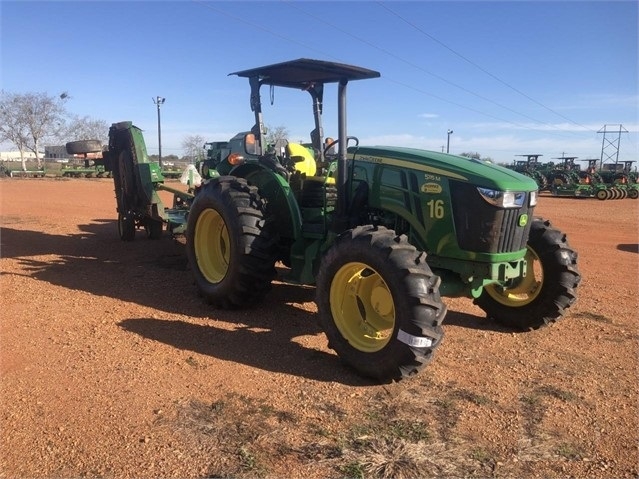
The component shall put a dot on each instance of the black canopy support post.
(341, 221)
(256, 108)
(316, 91)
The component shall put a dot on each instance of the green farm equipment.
(381, 232)
(532, 168)
(620, 179)
(568, 179)
(87, 167)
(83, 170)
(171, 172)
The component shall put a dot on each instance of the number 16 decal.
(436, 209)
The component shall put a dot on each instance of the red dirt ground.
(112, 366)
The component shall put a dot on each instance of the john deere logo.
(433, 188)
(523, 220)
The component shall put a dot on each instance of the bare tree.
(86, 128)
(276, 133)
(12, 128)
(476, 156)
(38, 114)
(193, 146)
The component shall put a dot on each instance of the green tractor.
(381, 232)
(532, 168)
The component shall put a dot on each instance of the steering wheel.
(335, 142)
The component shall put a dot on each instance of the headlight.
(503, 199)
(533, 198)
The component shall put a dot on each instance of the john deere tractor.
(382, 232)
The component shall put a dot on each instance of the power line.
(455, 52)
(439, 77)
(288, 39)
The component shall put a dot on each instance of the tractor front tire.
(379, 303)
(230, 251)
(548, 289)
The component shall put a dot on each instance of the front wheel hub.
(363, 307)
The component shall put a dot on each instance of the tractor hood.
(452, 167)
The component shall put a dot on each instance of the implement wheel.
(153, 229)
(83, 146)
(602, 194)
(547, 290)
(126, 226)
(379, 304)
(228, 246)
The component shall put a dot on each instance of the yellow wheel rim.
(212, 246)
(526, 290)
(362, 307)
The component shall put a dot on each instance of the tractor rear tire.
(379, 304)
(548, 289)
(230, 250)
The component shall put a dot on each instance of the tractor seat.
(303, 159)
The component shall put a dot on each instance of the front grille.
(484, 228)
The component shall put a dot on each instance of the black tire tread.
(561, 279)
(83, 146)
(253, 265)
(419, 312)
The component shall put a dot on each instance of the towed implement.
(381, 232)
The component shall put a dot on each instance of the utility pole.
(159, 101)
(610, 148)
(450, 132)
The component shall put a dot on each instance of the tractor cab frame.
(311, 76)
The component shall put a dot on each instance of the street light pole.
(159, 101)
(450, 132)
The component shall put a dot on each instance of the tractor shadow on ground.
(267, 350)
(630, 248)
(155, 274)
(478, 323)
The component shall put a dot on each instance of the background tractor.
(533, 168)
(382, 232)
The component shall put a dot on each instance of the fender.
(276, 190)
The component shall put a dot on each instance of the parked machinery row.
(567, 178)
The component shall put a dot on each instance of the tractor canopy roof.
(304, 72)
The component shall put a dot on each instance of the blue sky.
(508, 78)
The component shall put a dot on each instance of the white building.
(15, 155)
